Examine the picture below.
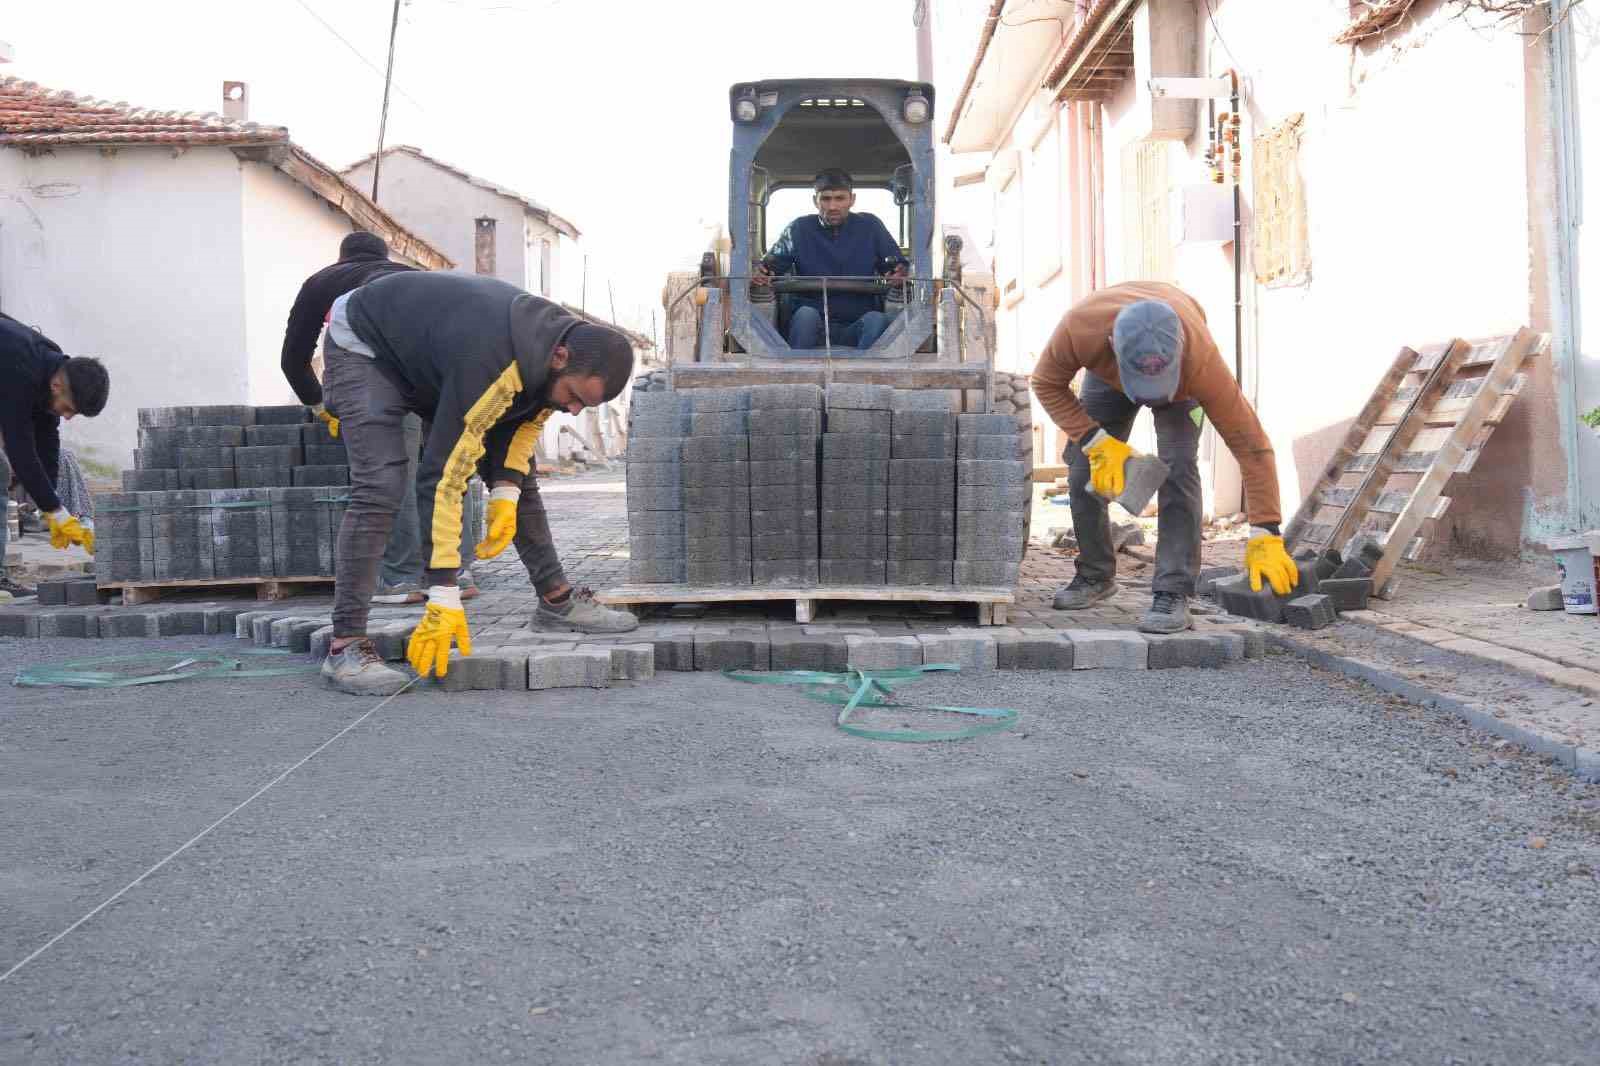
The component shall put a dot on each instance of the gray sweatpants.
(371, 410)
(1180, 502)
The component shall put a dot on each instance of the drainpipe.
(1238, 233)
(1565, 310)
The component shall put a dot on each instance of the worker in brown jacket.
(1145, 344)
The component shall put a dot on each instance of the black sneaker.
(16, 588)
(1083, 593)
(1168, 613)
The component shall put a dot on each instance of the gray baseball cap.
(1148, 339)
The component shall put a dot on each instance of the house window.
(1282, 248)
(1043, 210)
(1147, 212)
(1009, 247)
(546, 269)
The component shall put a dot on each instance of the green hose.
(874, 688)
(125, 671)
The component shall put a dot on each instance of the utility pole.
(611, 291)
(922, 19)
(583, 293)
(383, 118)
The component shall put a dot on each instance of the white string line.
(192, 841)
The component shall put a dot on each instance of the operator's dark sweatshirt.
(31, 431)
(363, 262)
(472, 355)
(859, 247)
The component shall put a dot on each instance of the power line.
(357, 52)
(1212, 15)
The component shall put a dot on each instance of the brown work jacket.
(1083, 342)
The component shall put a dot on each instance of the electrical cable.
(357, 52)
(1210, 14)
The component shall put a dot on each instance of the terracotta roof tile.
(30, 115)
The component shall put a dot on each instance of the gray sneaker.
(1168, 613)
(359, 670)
(581, 614)
(399, 594)
(1081, 594)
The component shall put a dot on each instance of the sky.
(613, 113)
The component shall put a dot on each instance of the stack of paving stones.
(224, 492)
(716, 470)
(992, 500)
(853, 548)
(657, 429)
(1328, 584)
(921, 519)
(785, 437)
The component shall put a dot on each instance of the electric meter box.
(1202, 214)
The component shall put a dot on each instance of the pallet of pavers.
(796, 492)
(223, 495)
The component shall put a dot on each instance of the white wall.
(442, 209)
(135, 257)
(289, 233)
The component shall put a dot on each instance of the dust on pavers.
(1270, 860)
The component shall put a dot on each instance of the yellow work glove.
(1106, 455)
(502, 521)
(444, 623)
(66, 530)
(323, 416)
(1264, 557)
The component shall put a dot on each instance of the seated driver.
(835, 242)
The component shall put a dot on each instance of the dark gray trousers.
(1180, 502)
(372, 410)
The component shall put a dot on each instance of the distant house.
(169, 244)
(486, 228)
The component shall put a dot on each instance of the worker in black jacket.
(39, 386)
(484, 362)
(363, 257)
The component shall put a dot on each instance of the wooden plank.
(991, 601)
(1358, 435)
(136, 593)
(1049, 473)
(1375, 478)
(1443, 467)
(814, 372)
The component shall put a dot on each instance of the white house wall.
(288, 234)
(132, 256)
(442, 209)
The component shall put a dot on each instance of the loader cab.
(784, 133)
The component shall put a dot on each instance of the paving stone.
(674, 647)
(939, 546)
(937, 475)
(714, 449)
(789, 545)
(1236, 597)
(782, 471)
(717, 573)
(320, 476)
(1365, 549)
(910, 521)
(864, 522)
(718, 399)
(1173, 650)
(318, 435)
(650, 475)
(924, 423)
(718, 550)
(787, 447)
(632, 662)
(660, 424)
(704, 525)
(972, 652)
(851, 545)
(716, 497)
(806, 396)
(1009, 446)
(666, 546)
(870, 448)
(919, 572)
(1547, 598)
(718, 423)
(985, 572)
(983, 472)
(190, 622)
(1033, 648)
(150, 480)
(321, 639)
(801, 496)
(662, 449)
(882, 653)
(866, 495)
(784, 521)
(907, 494)
(281, 414)
(327, 455)
(259, 435)
(734, 649)
(793, 650)
(663, 402)
(785, 421)
(275, 455)
(850, 571)
(1205, 584)
(569, 669)
(851, 422)
(1352, 568)
(68, 623)
(263, 477)
(391, 639)
(1113, 649)
(126, 623)
(985, 425)
(261, 628)
(655, 523)
(486, 669)
(922, 400)
(711, 475)
(17, 624)
(658, 571)
(923, 446)
(786, 572)
(656, 498)
(849, 396)
(300, 633)
(1310, 612)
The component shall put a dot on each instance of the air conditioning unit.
(1202, 214)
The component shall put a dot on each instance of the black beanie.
(363, 243)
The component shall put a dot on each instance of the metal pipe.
(1238, 242)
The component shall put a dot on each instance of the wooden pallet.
(135, 593)
(991, 601)
(1427, 421)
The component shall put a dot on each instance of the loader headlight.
(745, 108)
(916, 108)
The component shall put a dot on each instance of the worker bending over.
(39, 386)
(485, 363)
(1145, 344)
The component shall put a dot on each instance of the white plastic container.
(1576, 564)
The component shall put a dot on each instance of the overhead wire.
(375, 68)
